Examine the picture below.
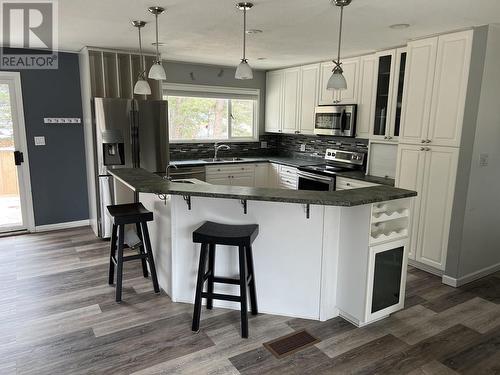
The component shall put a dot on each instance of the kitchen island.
(318, 254)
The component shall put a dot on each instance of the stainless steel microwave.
(339, 120)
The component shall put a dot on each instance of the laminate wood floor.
(58, 316)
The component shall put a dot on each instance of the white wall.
(479, 248)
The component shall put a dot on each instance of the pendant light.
(244, 71)
(337, 80)
(141, 87)
(157, 71)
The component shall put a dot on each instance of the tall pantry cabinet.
(434, 105)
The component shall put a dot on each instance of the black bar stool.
(132, 213)
(209, 235)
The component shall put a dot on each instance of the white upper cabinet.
(366, 102)
(351, 74)
(308, 97)
(291, 85)
(434, 99)
(274, 88)
(418, 90)
(449, 90)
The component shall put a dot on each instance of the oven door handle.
(342, 121)
(315, 177)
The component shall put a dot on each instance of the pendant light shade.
(157, 71)
(337, 81)
(244, 71)
(141, 87)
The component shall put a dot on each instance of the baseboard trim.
(65, 225)
(451, 281)
(425, 267)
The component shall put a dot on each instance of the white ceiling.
(295, 31)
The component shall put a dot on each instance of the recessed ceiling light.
(399, 26)
(253, 31)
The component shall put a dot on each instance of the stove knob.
(329, 153)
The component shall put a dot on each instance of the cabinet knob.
(422, 141)
(422, 148)
(386, 137)
(348, 184)
(428, 141)
(390, 137)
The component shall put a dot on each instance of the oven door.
(312, 181)
(334, 120)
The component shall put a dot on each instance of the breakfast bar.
(318, 254)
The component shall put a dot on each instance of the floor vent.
(289, 344)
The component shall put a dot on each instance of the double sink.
(222, 160)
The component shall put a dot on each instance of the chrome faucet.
(167, 176)
(218, 147)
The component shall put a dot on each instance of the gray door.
(152, 122)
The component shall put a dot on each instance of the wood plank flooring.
(58, 316)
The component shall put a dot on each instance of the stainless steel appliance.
(127, 133)
(338, 120)
(322, 177)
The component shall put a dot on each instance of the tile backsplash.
(277, 144)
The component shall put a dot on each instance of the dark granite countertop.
(289, 161)
(143, 181)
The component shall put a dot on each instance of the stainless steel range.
(322, 177)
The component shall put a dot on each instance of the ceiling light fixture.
(337, 80)
(157, 71)
(399, 26)
(141, 87)
(244, 71)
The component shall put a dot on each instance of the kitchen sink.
(222, 160)
(183, 181)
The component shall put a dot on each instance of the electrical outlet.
(483, 160)
(303, 147)
(263, 144)
(40, 141)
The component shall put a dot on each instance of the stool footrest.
(226, 280)
(223, 297)
(207, 275)
(135, 257)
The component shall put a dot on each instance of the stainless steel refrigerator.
(129, 133)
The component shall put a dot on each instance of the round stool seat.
(130, 213)
(226, 234)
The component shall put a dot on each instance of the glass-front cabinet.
(389, 94)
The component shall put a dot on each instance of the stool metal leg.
(243, 292)
(151, 261)
(141, 250)
(251, 285)
(119, 263)
(211, 269)
(112, 254)
(199, 288)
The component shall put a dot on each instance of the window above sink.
(209, 114)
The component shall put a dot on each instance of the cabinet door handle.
(385, 137)
(348, 184)
(428, 141)
(422, 141)
(390, 137)
(422, 148)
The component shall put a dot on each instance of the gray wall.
(58, 176)
(210, 75)
(476, 243)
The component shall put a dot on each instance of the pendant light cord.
(141, 74)
(340, 34)
(157, 40)
(244, 31)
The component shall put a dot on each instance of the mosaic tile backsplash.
(277, 144)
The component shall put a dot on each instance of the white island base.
(313, 268)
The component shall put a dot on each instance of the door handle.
(18, 157)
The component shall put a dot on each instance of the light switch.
(483, 160)
(40, 141)
(263, 144)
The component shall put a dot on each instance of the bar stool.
(209, 235)
(132, 213)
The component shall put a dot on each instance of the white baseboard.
(451, 281)
(65, 225)
(425, 267)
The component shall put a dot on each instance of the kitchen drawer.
(287, 182)
(343, 183)
(288, 171)
(230, 169)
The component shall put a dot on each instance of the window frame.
(207, 90)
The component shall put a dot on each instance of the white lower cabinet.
(261, 175)
(431, 171)
(343, 183)
(288, 178)
(235, 175)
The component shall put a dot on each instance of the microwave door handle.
(342, 121)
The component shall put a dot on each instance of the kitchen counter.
(141, 181)
(289, 161)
